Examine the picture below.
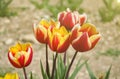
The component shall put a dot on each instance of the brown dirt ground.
(19, 28)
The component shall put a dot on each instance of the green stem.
(54, 66)
(64, 58)
(47, 64)
(67, 74)
(24, 71)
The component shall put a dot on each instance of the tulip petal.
(74, 32)
(50, 37)
(76, 18)
(82, 43)
(55, 42)
(65, 21)
(63, 31)
(16, 48)
(94, 39)
(72, 20)
(64, 44)
(13, 60)
(11, 76)
(61, 16)
(29, 56)
(82, 19)
(44, 23)
(56, 39)
(21, 60)
(90, 28)
(41, 34)
(68, 20)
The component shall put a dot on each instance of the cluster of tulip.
(70, 29)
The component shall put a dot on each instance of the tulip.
(70, 19)
(10, 76)
(20, 55)
(40, 30)
(85, 37)
(58, 39)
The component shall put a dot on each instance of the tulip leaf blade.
(61, 69)
(31, 75)
(56, 74)
(91, 74)
(77, 69)
(108, 73)
(44, 74)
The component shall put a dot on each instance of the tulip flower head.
(70, 19)
(85, 37)
(40, 30)
(58, 39)
(10, 76)
(20, 55)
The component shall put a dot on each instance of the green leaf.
(7, 3)
(77, 69)
(75, 4)
(31, 75)
(91, 74)
(44, 74)
(108, 3)
(111, 52)
(44, 4)
(56, 74)
(64, 68)
(37, 4)
(61, 68)
(108, 73)
(4, 8)
(106, 15)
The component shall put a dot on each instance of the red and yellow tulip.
(85, 37)
(70, 19)
(20, 55)
(10, 76)
(40, 30)
(58, 39)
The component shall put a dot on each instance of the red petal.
(74, 32)
(30, 56)
(68, 20)
(94, 39)
(21, 60)
(72, 21)
(12, 61)
(64, 46)
(40, 36)
(82, 43)
(89, 28)
(83, 19)
(55, 42)
(60, 17)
